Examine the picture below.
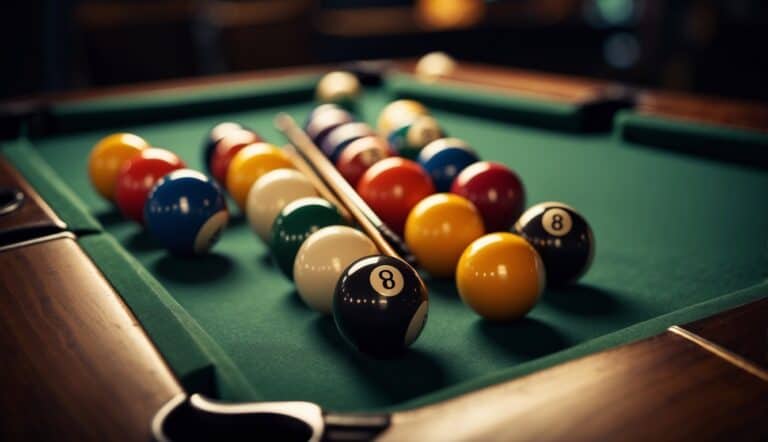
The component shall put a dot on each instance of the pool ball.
(392, 187)
(213, 136)
(434, 65)
(340, 137)
(361, 154)
(408, 140)
(339, 87)
(439, 228)
(398, 114)
(500, 276)
(270, 193)
(137, 177)
(295, 223)
(444, 159)
(226, 149)
(249, 165)
(562, 237)
(380, 305)
(186, 212)
(324, 119)
(321, 259)
(495, 190)
(108, 156)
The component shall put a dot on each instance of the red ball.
(139, 175)
(495, 190)
(392, 187)
(226, 149)
(361, 154)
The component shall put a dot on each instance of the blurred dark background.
(701, 46)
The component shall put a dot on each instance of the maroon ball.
(361, 154)
(495, 190)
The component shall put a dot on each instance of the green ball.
(295, 223)
(408, 140)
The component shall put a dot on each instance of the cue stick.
(304, 167)
(387, 241)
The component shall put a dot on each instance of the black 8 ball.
(563, 239)
(380, 305)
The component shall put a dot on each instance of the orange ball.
(107, 158)
(500, 276)
(439, 229)
(249, 164)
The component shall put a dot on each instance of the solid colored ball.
(495, 190)
(226, 149)
(322, 258)
(500, 276)
(107, 158)
(139, 175)
(392, 187)
(270, 193)
(380, 305)
(213, 136)
(410, 139)
(250, 164)
(324, 119)
(338, 87)
(444, 159)
(398, 114)
(186, 212)
(295, 223)
(562, 237)
(340, 137)
(361, 154)
(439, 229)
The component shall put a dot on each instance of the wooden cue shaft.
(303, 167)
(351, 200)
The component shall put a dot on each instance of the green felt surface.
(679, 237)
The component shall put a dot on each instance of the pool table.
(106, 336)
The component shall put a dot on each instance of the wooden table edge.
(712, 110)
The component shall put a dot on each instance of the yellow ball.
(337, 87)
(439, 228)
(398, 114)
(108, 156)
(250, 164)
(500, 276)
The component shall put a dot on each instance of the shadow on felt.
(526, 337)
(582, 300)
(194, 269)
(404, 376)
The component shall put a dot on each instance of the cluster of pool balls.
(454, 211)
(461, 217)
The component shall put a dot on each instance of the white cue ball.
(321, 260)
(270, 194)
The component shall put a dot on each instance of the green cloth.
(679, 237)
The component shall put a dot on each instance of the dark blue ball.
(186, 212)
(445, 158)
